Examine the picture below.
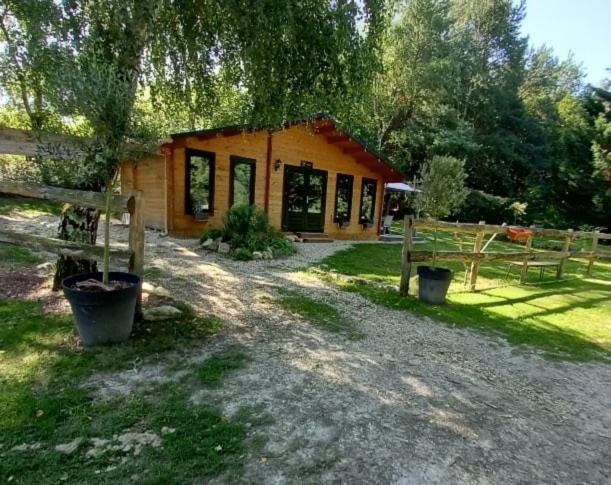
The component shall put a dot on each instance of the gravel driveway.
(413, 402)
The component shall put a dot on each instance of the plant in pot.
(443, 191)
(103, 304)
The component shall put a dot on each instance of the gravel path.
(414, 402)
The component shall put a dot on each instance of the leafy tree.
(443, 189)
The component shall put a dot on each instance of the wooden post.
(136, 242)
(565, 248)
(477, 247)
(594, 249)
(406, 260)
(136, 232)
(527, 247)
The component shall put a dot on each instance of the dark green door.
(305, 192)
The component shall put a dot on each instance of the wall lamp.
(277, 165)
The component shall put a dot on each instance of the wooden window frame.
(351, 194)
(212, 179)
(236, 160)
(373, 205)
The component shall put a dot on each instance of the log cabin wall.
(290, 146)
(147, 175)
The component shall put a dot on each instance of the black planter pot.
(103, 317)
(433, 284)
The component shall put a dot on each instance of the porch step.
(313, 237)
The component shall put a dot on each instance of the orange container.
(518, 233)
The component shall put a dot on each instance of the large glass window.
(242, 182)
(200, 182)
(368, 201)
(343, 198)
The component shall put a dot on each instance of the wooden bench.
(534, 264)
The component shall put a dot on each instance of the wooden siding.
(291, 146)
(147, 175)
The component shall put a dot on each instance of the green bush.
(480, 206)
(242, 254)
(246, 229)
(211, 234)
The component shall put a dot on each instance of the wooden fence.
(475, 257)
(133, 204)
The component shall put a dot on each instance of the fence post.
(565, 248)
(527, 247)
(477, 247)
(594, 249)
(136, 232)
(136, 242)
(406, 259)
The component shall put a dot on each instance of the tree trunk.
(78, 224)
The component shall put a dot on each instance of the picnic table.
(534, 264)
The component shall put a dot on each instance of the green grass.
(43, 400)
(318, 313)
(215, 369)
(28, 207)
(568, 318)
(17, 256)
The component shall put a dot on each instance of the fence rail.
(133, 204)
(409, 255)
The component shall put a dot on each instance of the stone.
(26, 447)
(69, 448)
(162, 312)
(257, 255)
(224, 248)
(211, 244)
(155, 290)
(166, 430)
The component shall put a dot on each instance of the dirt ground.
(413, 402)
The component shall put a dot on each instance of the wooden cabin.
(309, 177)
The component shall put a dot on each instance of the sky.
(579, 26)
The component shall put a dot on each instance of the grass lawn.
(568, 318)
(317, 313)
(44, 403)
(28, 207)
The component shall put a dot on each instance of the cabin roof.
(322, 124)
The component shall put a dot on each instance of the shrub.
(210, 234)
(246, 229)
(481, 206)
(242, 254)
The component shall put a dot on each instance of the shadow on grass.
(554, 341)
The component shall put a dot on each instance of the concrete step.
(316, 240)
(313, 237)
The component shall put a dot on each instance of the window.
(199, 188)
(242, 181)
(368, 201)
(343, 197)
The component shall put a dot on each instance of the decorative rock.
(211, 244)
(224, 248)
(69, 448)
(163, 312)
(257, 255)
(155, 290)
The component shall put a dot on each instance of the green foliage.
(242, 254)
(480, 206)
(567, 319)
(246, 228)
(44, 399)
(443, 186)
(211, 233)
